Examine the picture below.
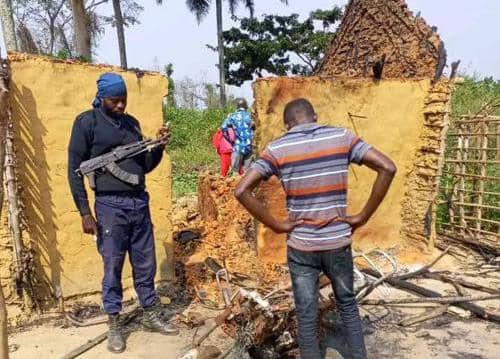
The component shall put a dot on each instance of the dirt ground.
(456, 334)
(446, 337)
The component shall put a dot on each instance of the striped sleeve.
(357, 148)
(266, 165)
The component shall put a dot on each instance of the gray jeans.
(240, 162)
(305, 268)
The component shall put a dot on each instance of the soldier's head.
(241, 103)
(298, 112)
(111, 94)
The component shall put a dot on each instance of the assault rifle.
(107, 161)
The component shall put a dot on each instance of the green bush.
(191, 145)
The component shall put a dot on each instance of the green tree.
(201, 8)
(169, 70)
(278, 45)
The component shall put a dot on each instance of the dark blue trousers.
(305, 268)
(124, 225)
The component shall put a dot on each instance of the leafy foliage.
(201, 8)
(279, 45)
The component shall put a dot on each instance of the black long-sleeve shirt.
(95, 133)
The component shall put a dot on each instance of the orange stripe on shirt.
(355, 140)
(315, 190)
(302, 157)
(270, 159)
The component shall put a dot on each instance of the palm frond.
(199, 7)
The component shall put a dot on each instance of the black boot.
(116, 343)
(152, 321)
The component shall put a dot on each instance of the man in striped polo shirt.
(312, 161)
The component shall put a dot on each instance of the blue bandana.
(109, 85)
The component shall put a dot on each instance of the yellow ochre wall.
(390, 115)
(46, 97)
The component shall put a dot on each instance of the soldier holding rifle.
(122, 204)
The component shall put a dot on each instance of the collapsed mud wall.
(403, 118)
(46, 96)
(375, 29)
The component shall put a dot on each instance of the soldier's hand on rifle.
(164, 134)
(89, 224)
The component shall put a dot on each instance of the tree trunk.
(4, 119)
(64, 40)
(121, 33)
(26, 41)
(9, 31)
(220, 47)
(81, 28)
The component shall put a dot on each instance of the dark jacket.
(95, 133)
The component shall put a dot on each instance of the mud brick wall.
(373, 28)
(46, 96)
(418, 215)
(403, 118)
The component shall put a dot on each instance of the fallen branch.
(424, 268)
(401, 284)
(441, 299)
(461, 282)
(212, 324)
(430, 314)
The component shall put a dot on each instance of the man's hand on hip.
(89, 224)
(354, 221)
(285, 226)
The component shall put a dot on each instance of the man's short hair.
(298, 108)
(241, 103)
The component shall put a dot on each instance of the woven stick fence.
(470, 185)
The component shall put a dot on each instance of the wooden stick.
(13, 207)
(461, 179)
(496, 149)
(446, 299)
(471, 191)
(484, 158)
(481, 219)
(478, 205)
(401, 284)
(453, 134)
(482, 161)
(463, 283)
(87, 346)
(425, 268)
(430, 314)
(489, 119)
(4, 119)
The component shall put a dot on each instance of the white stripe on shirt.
(312, 176)
(317, 209)
(348, 233)
(307, 141)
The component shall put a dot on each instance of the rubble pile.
(216, 226)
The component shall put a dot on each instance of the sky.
(170, 33)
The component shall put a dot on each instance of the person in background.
(243, 127)
(224, 148)
(312, 161)
(122, 210)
